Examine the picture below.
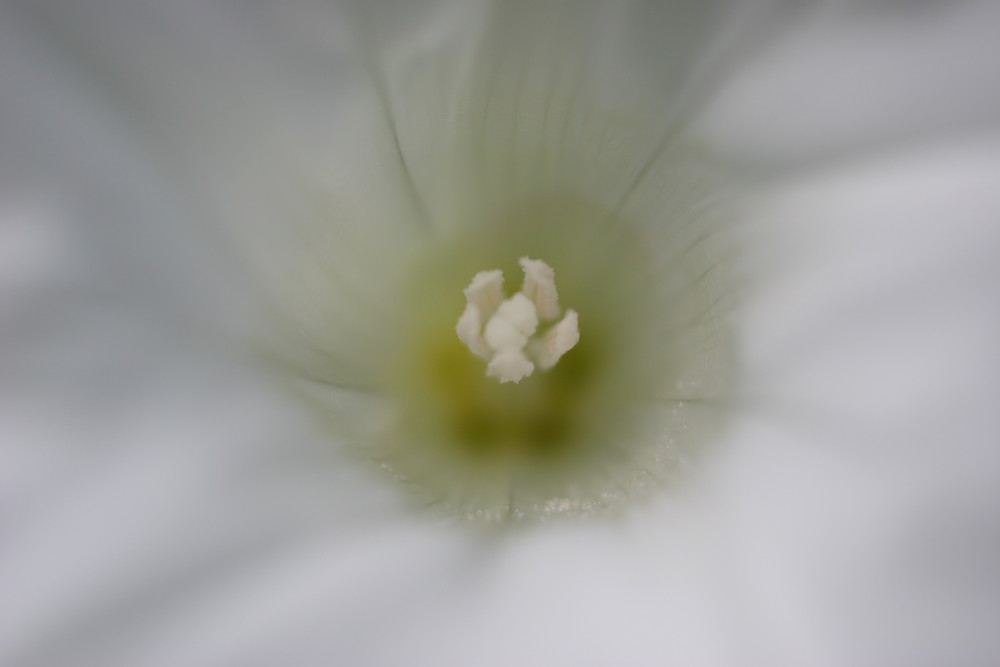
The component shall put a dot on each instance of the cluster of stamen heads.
(517, 334)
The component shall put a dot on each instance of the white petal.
(857, 77)
(825, 550)
(137, 452)
(863, 473)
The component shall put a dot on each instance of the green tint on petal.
(494, 148)
(636, 235)
(580, 437)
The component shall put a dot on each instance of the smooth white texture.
(164, 505)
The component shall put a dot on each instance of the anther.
(506, 333)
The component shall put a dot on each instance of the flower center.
(512, 332)
(499, 406)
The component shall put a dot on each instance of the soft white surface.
(164, 504)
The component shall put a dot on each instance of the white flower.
(182, 180)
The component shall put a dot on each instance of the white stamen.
(470, 332)
(558, 340)
(521, 313)
(483, 297)
(501, 334)
(510, 366)
(485, 292)
(540, 286)
(511, 324)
